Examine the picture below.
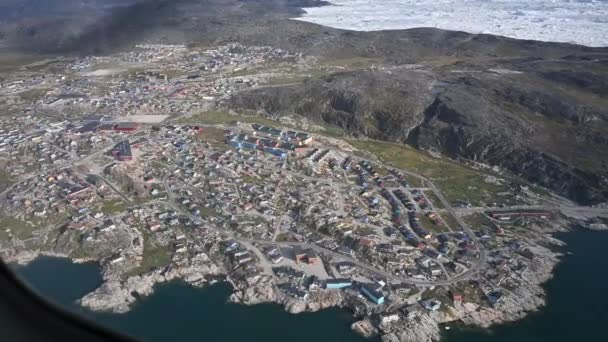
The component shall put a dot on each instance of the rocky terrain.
(262, 290)
(597, 224)
(537, 109)
(547, 130)
(118, 294)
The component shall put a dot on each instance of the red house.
(126, 127)
(122, 151)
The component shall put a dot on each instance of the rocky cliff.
(117, 294)
(516, 115)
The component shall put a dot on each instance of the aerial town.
(130, 160)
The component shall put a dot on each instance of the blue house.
(277, 152)
(338, 283)
(235, 143)
(249, 145)
(372, 295)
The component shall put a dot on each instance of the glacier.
(582, 22)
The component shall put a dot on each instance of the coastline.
(118, 295)
(180, 224)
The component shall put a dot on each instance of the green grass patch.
(246, 178)
(80, 252)
(470, 293)
(212, 134)
(221, 117)
(10, 61)
(208, 212)
(154, 256)
(4, 235)
(456, 181)
(256, 220)
(269, 67)
(245, 72)
(285, 237)
(174, 73)
(477, 220)
(364, 231)
(215, 137)
(352, 63)
(5, 180)
(33, 95)
(429, 293)
(287, 79)
(51, 240)
(139, 201)
(17, 228)
(427, 223)
(330, 131)
(113, 207)
(430, 195)
(450, 221)
(445, 308)
(43, 66)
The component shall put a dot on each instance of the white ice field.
(574, 21)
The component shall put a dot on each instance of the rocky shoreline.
(117, 295)
(598, 227)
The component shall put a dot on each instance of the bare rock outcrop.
(421, 328)
(262, 289)
(116, 294)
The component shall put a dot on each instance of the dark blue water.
(577, 306)
(577, 299)
(178, 312)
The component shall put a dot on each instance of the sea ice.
(574, 21)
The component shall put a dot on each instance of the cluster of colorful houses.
(270, 140)
(298, 284)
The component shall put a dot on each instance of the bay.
(577, 299)
(577, 306)
(177, 311)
